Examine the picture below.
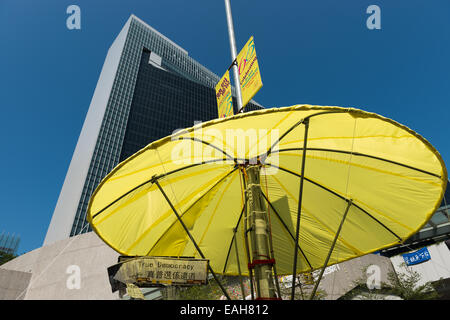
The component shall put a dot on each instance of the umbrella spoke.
(287, 229)
(304, 120)
(299, 209)
(210, 145)
(150, 181)
(338, 195)
(331, 250)
(190, 237)
(361, 155)
(192, 205)
(234, 237)
(319, 221)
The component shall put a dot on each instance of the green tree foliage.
(210, 291)
(5, 257)
(402, 284)
(405, 285)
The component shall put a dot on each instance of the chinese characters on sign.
(168, 275)
(160, 270)
(417, 257)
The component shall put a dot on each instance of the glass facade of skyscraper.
(157, 89)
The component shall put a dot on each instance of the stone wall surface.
(70, 269)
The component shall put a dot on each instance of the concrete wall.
(13, 283)
(50, 272)
(344, 275)
(432, 270)
(74, 268)
(341, 278)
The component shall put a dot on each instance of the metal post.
(299, 210)
(259, 236)
(238, 264)
(250, 272)
(331, 250)
(190, 237)
(272, 256)
(246, 228)
(237, 83)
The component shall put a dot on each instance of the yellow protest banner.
(224, 97)
(249, 74)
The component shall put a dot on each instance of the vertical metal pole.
(237, 83)
(331, 250)
(272, 255)
(300, 197)
(259, 235)
(246, 223)
(301, 290)
(275, 274)
(239, 264)
(248, 258)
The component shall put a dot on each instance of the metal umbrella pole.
(299, 210)
(349, 203)
(237, 83)
(261, 262)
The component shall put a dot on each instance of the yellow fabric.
(393, 176)
(249, 74)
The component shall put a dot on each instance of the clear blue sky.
(315, 52)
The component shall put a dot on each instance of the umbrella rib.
(233, 238)
(331, 250)
(195, 202)
(299, 123)
(345, 243)
(338, 195)
(287, 229)
(191, 237)
(150, 180)
(190, 166)
(210, 145)
(361, 155)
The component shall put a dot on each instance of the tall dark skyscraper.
(148, 87)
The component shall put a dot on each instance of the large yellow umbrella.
(386, 179)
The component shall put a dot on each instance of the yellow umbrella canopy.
(393, 178)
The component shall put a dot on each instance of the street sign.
(155, 271)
